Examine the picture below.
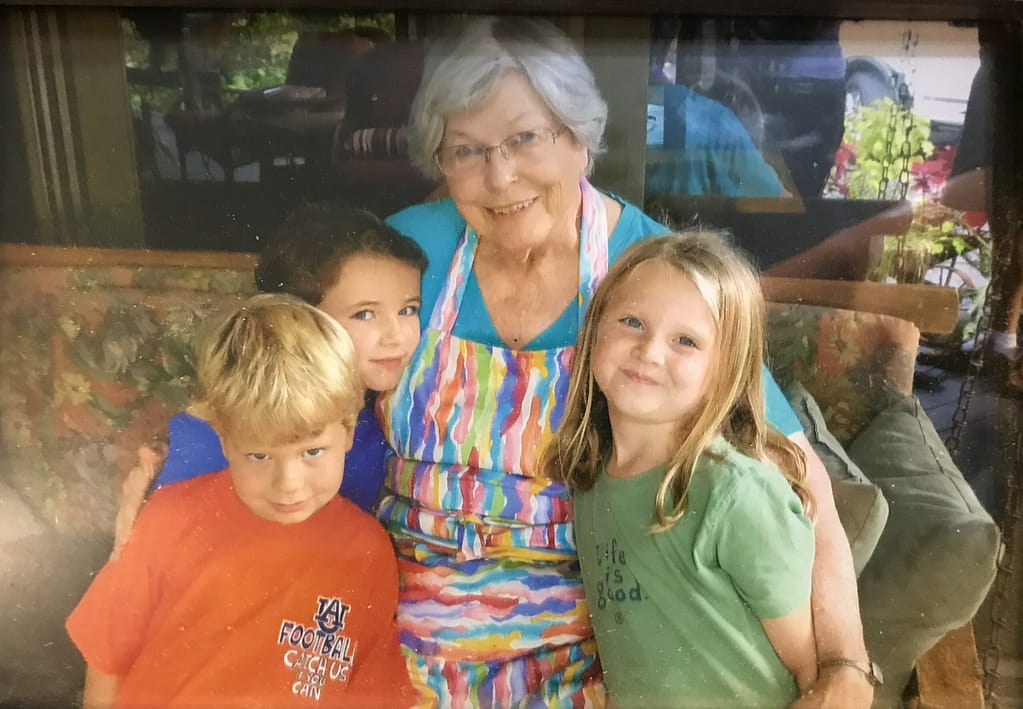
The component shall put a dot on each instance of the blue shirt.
(195, 449)
(706, 151)
(437, 227)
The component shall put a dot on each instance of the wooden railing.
(933, 309)
(59, 256)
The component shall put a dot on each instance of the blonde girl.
(691, 517)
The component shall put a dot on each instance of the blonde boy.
(257, 585)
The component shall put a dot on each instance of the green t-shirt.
(677, 614)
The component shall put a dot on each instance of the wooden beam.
(933, 309)
(948, 675)
(55, 256)
(878, 9)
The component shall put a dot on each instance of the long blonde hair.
(734, 406)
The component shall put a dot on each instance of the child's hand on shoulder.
(134, 486)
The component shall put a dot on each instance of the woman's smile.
(513, 208)
(492, 200)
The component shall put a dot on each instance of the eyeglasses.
(464, 160)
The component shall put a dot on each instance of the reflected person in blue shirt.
(704, 149)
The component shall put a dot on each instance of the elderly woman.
(492, 609)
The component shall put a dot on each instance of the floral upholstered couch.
(92, 360)
(95, 358)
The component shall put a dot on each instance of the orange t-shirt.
(210, 605)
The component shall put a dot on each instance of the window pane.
(151, 155)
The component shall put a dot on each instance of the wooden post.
(617, 50)
(75, 123)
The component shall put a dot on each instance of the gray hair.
(463, 71)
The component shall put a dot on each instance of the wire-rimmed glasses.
(463, 160)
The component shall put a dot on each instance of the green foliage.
(878, 132)
(254, 54)
(258, 51)
(937, 233)
(159, 99)
(260, 47)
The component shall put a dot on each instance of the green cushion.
(936, 557)
(861, 507)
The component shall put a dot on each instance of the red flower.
(845, 157)
(929, 176)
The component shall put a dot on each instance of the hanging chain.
(910, 39)
(976, 362)
(887, 160)
(1011, 508)
(902, 156)
(992, 655)
(889, 141)
(1004, 575)
(1005, 228)
(999, 264)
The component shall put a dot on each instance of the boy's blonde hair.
(734, 404)
(278, 366)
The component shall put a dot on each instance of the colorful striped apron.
(491, 611)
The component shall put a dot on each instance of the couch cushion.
(861, 507)
(936, 557)
(863, 512)
(844, 358)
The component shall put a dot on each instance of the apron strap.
(449, 302)
(593, 246)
